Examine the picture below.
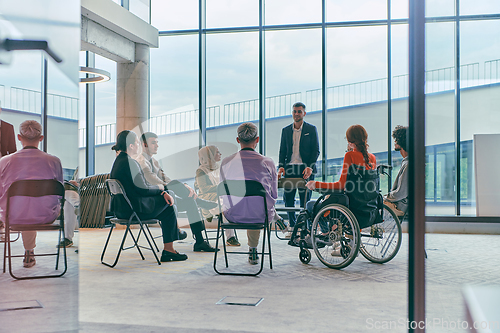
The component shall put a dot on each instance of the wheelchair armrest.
(384, 168)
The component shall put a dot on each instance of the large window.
(357, 72)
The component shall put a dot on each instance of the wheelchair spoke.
(332, 236)
(382, 242)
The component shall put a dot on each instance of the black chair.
(242, 188)
(115, 189)
(34, 188)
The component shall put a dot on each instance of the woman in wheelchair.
(357, 154)
(332, 224)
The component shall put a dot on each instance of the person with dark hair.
(299, 151)
(149, 201)
(185, 198)
(397, 198)
(357, 153)
(247, 164)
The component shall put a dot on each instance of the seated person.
(207, 179)
(397, 198)
(185, 197)
(247, 164)
(149, 201)
(29, 163)
(363, 207)
(357, 154)
(70, 216)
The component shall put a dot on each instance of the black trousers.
(295, 171)
(187, 204)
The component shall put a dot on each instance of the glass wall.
(232, 87)
(26, 79)
(174, 104)
(357, 91)
(357, 69)
(440, 118)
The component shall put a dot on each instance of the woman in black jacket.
(149, 201)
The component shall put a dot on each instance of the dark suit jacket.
(145, 198)
(8, 144)
(308, 148)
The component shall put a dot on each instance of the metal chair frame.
(34, 188)
(242, 188)
(115, 188)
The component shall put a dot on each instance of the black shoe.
(205, 204)
(167, 256)
(204, 247)
(182, 234)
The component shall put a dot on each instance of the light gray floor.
(140, 296)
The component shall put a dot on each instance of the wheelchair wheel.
(305, 256)
(381, 242)
(335, 236)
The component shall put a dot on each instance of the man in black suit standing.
(7, 137)
(299, 151)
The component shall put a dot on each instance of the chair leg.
(215, 253)
(136, 245)
(149, 242)
(106, 245)
(224, 246)
(151, 236)
(269, 246)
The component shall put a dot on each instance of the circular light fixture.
(99, 75)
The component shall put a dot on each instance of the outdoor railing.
(31, 101)
(492, 71)
(438, 80)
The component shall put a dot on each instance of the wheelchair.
(343, 223)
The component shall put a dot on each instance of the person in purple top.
(247, 164)
(29, 163)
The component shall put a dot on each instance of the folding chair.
(240, 189)
(34, 188)
(115, 189)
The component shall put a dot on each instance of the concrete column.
(132, 92)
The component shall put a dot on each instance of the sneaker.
(167, 256)
(253, 257)
(232, 242)
(288, 235)
(29, 259)
(281, 225)
(204, 247)
(65, 243)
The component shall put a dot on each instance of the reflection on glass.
(232, 86)
(174, 15)
(293, 74)
(356, 10)
(476, 7)
(399, 9)
(439, 8)
(440, 111)
(478, 97)
(232, 13)
(292, 11)
(357, 90)
(400, 88)
(174, 104)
